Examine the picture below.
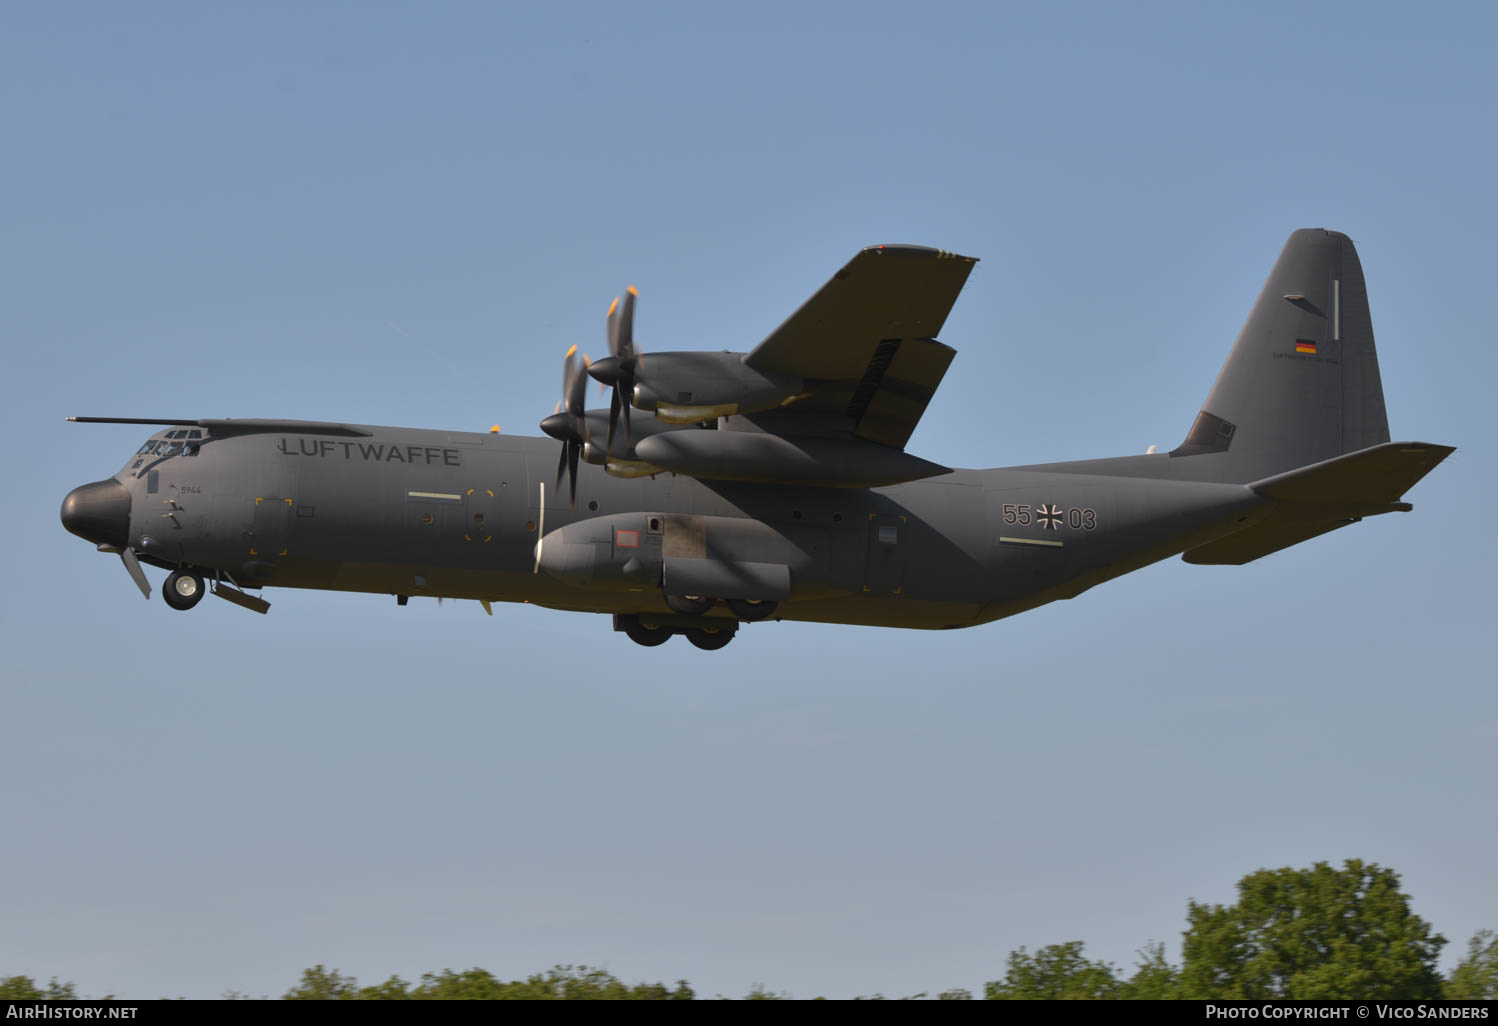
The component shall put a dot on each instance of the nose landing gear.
(183, 589)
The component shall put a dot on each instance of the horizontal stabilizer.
(1362, 482)
(1320, 498)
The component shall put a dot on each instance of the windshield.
(172, 443)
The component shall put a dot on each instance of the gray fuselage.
(454, 514)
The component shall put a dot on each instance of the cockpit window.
(174, 443)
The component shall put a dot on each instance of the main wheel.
(689, 605)
(647, 636)
(709, 638)
(751, 609)
(182, 589)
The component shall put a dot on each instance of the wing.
(865, 342)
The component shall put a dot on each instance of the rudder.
(1301, 384)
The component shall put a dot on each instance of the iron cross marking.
(1049, 516)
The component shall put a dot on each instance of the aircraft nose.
(100, 512)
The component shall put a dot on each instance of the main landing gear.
(183, 589)
(644, 630)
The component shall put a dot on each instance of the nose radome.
(100, 512)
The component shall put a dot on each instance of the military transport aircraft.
(774, 484)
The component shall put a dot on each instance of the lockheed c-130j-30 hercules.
(774, 484)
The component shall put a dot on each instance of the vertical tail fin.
(1301, 384)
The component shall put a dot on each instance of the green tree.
(1307, 934)
(24, 988)
(1057, 971)
(393, 989)
(560, 983)
(1475, 977)
(1154, 978)
(321, 984)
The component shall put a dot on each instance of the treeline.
(1294, 934)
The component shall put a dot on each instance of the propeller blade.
(572, 452)
(613, 420)
(619, 369)
(132, 567)
(622, 328)
(611, 329)
(575, 393)
(541, 530)
(562, 462)
(576, 384)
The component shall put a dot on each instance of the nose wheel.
(183, 589)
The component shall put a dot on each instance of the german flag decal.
(1305, 345)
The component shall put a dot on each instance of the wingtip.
(928, 252)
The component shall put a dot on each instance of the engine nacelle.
(687, 388)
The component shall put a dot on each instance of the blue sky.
(405, 214)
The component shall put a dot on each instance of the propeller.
(568, 424)
(619, 368)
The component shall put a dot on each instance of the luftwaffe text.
(370, 452)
